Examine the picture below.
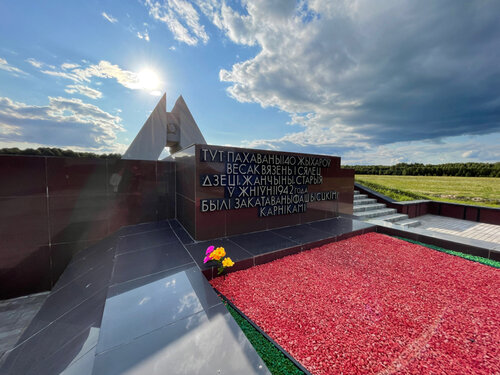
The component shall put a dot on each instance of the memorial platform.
(137, 302)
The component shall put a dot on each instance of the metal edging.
(276, 345)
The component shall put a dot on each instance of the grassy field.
(481, 191)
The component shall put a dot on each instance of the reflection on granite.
(208, 342)
(171, 322)
(141, 306)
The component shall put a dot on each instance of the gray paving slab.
(461, 228)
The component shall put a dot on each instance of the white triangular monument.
(176, 130)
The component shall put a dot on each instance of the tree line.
(53, 151)
(401, 169)
(416, 169)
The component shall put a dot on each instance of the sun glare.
(148, 79)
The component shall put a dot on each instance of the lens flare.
(148, 79)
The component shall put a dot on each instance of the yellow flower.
(218, 253)
(227, 262)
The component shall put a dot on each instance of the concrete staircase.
(367, 208)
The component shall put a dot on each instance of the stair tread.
(358, 202)
(360, 196)
(375, 212)
(396, 215)
(391, 217)
(371, 205)
(409, 223)
(368, 207)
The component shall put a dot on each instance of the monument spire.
(176, 130)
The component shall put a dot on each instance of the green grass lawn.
(481, 191)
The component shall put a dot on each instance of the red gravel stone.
(375, 304)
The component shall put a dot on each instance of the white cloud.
(470, 153)
(104, 69)
(358, 73)
(109, 17)
(446, 150)
(84, 90)
(143, 35)
(61, 74)
(67, 66)
(63, 123)
(8, 130)
(181, 18)
(34, 62)
(4, 65)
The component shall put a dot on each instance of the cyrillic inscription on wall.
(276, 184)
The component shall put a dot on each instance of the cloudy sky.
(376, 82)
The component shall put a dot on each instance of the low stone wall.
(416, 208)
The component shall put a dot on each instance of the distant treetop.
(53, 151)
(449, 169)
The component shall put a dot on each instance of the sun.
(148, 79)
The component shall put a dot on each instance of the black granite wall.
(52, 207)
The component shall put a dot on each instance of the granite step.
(360, 196)
(375, 213)
(359, 202)
(368, 207)
(393, 218)
(356, 192)
(408, 223)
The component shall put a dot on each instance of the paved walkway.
(15, 315)
(461, 228)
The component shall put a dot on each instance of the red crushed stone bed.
(375, 304)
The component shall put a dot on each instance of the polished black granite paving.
(145, 262)
(302, 234)
(181, 233)
(137, 302)
(262, 242)
(340, 226)
(78, 269)
(64, 301)
(139, 241)
(27, 357)
(144, 227)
